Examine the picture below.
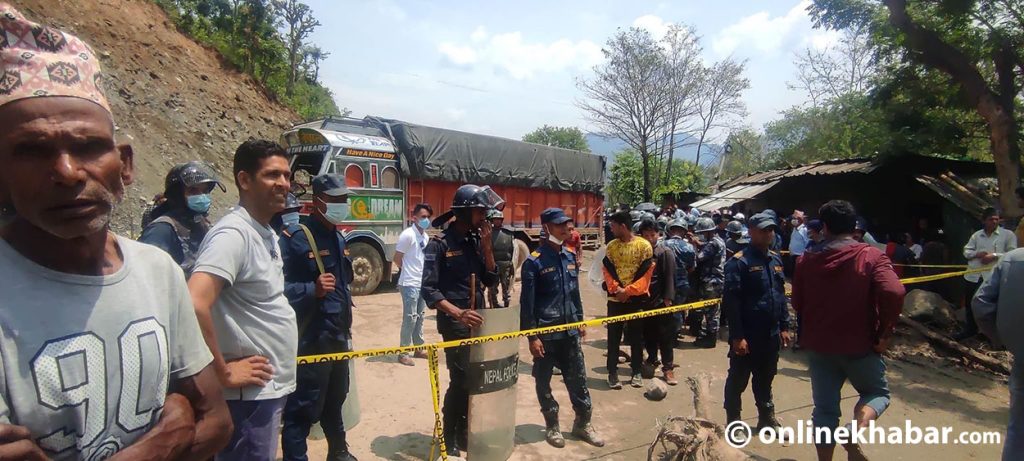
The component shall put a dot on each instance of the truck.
(391, 165)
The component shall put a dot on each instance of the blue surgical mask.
(336, 212)
(424, 223)
(199, 203)
(289, 219)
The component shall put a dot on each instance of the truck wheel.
(367, 268)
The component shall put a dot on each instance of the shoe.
(647, 370)
(624, 356)
(585, 431)
(637, 381)
(551, 431)
(406, 360)
(736, 437)
(706, 342)
(419, 355)
(613, 381)
(555, 371)
(964, 335)
(766, 418)
(670, 377)
(341, 455)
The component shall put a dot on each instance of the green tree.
(246, 33)
(626, 184)
(566, 137)
(977, 43)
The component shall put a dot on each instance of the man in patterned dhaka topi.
(100, 352)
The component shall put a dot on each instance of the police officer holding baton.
(317, 275)
(457, 265)
(754, 298)
(551, 296)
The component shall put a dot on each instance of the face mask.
(424, 223)
(199, 203)
(336, 212)
(555, 240)
(290, 218)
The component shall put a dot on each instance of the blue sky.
(505, 68)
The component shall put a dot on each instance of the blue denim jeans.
(1013, 448)
(257, 426)
(413, 308)
(828, 374)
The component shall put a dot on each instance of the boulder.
(925, 306)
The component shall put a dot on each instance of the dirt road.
(397, 416)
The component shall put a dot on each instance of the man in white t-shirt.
(100, 351)
(409, 259)
(237, 287)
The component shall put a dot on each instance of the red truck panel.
(522, 205)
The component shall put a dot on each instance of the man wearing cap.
(237, 288)
(551, 296)
(737, 241)
(179, 224)
(317, 274)
(754, 300)
(457, 265)
(288, 216)
(502, 243)
(84, 311)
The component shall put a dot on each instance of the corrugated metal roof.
(825, 167)
(970, 195)
(732, 195)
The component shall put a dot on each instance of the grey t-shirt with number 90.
(85, 361)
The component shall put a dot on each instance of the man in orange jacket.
(628, 268)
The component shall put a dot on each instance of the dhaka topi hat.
(40, 61)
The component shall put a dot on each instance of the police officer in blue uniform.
(450, 262)
(551, 296)
(317, 275)
(754, 297)
(179, 224)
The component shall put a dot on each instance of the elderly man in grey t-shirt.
(238, 290)
(100, 351)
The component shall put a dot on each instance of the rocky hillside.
(173, 99)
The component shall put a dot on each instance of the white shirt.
(1001, 241)
(411, 244)
(86, 361)
(252, 315)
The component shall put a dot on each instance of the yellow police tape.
(434, 375)
(942, 266)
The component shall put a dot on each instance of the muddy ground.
(397, 418)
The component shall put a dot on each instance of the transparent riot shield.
(350, 411)
(491, 380)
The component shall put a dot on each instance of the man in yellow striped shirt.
(628, 267)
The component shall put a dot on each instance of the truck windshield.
(304, 167)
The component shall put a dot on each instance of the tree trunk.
(645, 157)
(671, 153)
(997, 109)
(695, 438)
(700, 145)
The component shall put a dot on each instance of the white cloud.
(761, 31)
(479, 34)
(460, 55)
(823, 39)
(510, 53)
(654, 24)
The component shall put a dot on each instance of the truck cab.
(369, 163)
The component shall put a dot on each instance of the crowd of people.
(186, 348)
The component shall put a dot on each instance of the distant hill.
(609, 146)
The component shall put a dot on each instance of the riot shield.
(350, 411)
(491, 380)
